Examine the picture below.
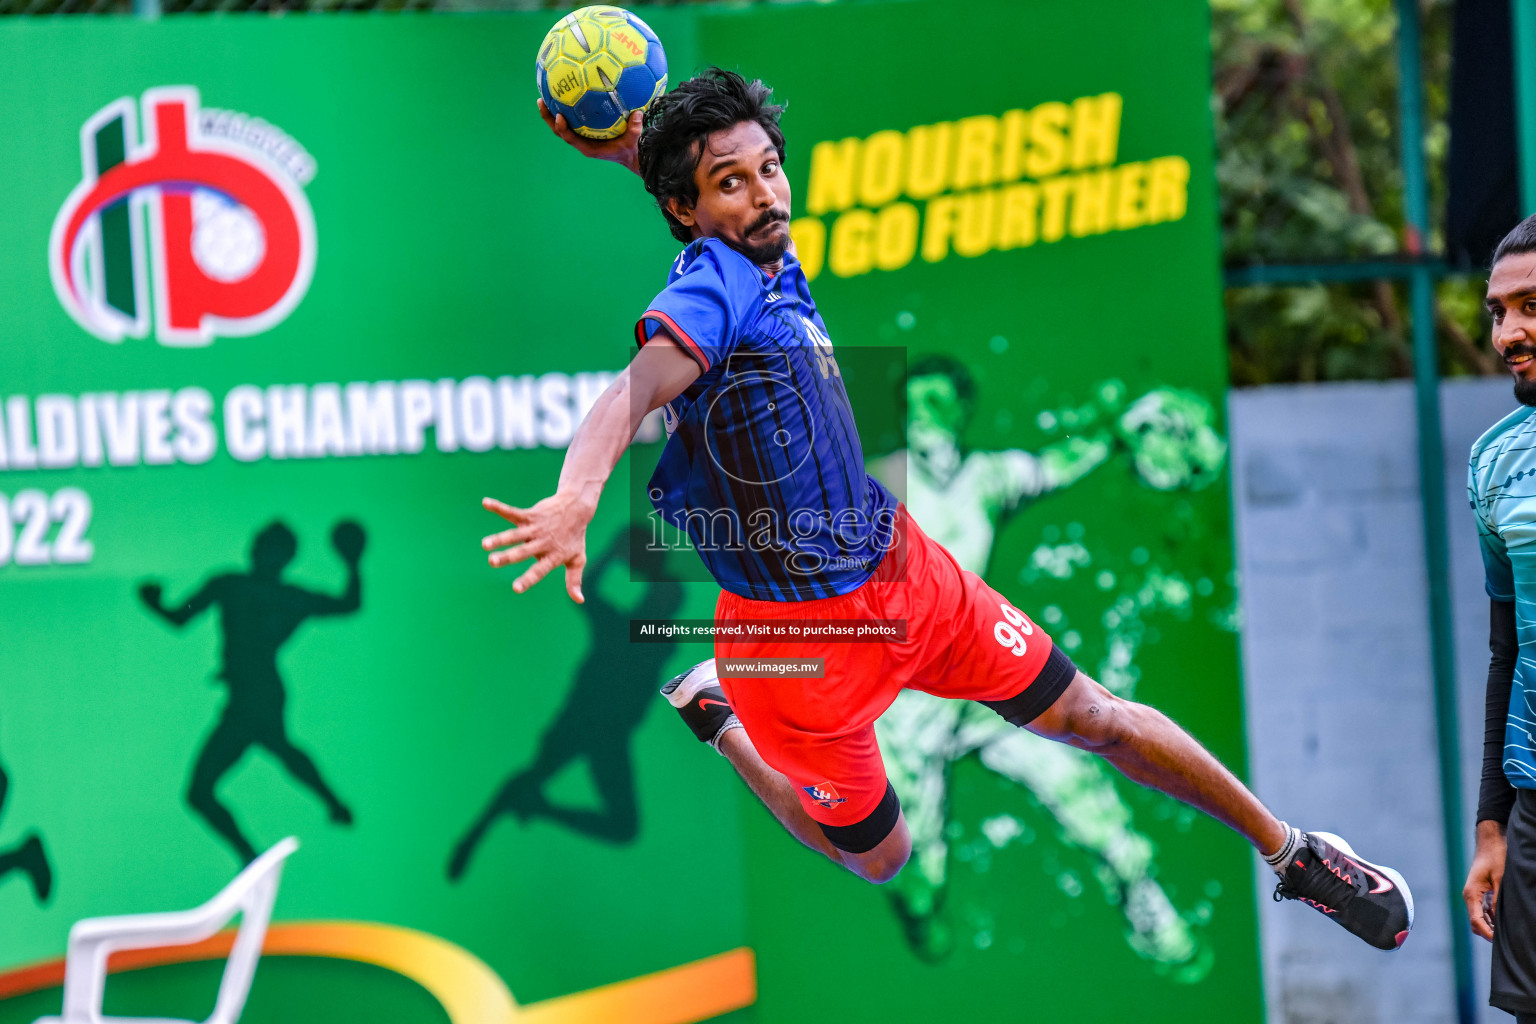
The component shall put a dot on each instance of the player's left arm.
(554, 531)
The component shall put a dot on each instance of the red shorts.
(963, 641)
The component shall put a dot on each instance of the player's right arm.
(554, 531)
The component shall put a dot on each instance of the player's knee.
(879, 866)
(875, 847)
(1103, 722)
(882, 863)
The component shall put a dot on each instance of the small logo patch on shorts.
(824, 793)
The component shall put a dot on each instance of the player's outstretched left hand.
(554, 532)
(624, 150)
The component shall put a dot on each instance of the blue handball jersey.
(763, 468)
(1502, 486)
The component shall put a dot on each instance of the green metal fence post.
(1524, 23)
(1426, 378)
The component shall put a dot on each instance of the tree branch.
(1339, 149)
(1481, 357)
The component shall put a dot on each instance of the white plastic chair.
(91, 941)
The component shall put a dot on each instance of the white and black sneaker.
(698, 698)
(1370, 900)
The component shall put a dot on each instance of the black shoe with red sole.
(1369, 900)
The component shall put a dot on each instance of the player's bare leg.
(1148, 748)
(1371, 900)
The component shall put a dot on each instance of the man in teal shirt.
(1501, 887)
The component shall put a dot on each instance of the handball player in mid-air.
(764, 470)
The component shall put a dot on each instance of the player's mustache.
(1518, 350)
(768, 217)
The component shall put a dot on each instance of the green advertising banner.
(286, 297)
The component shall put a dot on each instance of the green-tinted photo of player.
(962, 497)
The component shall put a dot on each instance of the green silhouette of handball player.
(600, 715)
(258, 613)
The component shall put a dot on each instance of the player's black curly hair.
(1521, 239)
(677, 124)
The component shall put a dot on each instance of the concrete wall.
(1340, 701)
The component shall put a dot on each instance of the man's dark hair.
(1521, 239)
(678, 123)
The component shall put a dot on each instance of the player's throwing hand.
(554, 532)
(624, 150)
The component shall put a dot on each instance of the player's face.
(1512, 304)
(935, 419)
(743, 194)
(934, 404)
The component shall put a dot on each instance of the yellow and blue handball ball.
(597, 66)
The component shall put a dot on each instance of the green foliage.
(1309, 169)
(1284, 164)
(1308, 333)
